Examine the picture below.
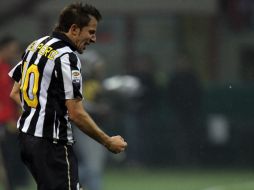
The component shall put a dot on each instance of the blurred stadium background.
(209, 148)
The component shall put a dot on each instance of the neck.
(70, 37)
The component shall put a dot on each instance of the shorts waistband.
(54, 141)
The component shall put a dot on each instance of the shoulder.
(70, 56)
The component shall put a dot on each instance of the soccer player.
(50, 83)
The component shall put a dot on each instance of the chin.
(80, 51)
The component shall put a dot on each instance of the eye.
(92, 32)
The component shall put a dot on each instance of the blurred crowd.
(12, 172)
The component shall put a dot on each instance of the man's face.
(86, 35)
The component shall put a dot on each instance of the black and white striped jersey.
(49, 73)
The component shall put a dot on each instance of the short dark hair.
(76, 13)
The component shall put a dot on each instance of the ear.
(74, 30)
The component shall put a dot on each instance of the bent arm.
(86, 124)
(15, 93)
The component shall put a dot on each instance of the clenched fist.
(116, 144)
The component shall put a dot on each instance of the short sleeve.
(16, 72)
(71, 76)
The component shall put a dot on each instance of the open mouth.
(86, 44)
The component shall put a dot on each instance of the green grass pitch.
(179, 179)
(174, 179)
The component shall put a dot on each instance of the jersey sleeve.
(71, 76)
(16, 72)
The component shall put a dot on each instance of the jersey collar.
(64, 38)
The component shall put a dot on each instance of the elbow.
(12, 96)
(75, 115)
(72, 116)
(76, 111)
(15, 97)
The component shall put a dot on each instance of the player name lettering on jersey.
(44, 50)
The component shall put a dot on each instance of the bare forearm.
(86, 124)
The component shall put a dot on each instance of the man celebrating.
(50, 83)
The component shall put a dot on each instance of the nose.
(93, 39)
